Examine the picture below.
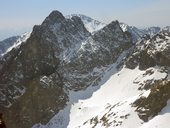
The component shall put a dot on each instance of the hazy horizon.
(19, 16)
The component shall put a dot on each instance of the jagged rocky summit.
(64, 59)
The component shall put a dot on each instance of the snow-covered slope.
(110, 105)
(13, 42)
(5, 44)
(90, 24)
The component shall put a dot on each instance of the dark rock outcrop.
(155, 102)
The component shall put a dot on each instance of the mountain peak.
(54, 17)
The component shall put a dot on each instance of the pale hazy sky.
(18, 16)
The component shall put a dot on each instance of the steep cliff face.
(95, 55)
(24, 71)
